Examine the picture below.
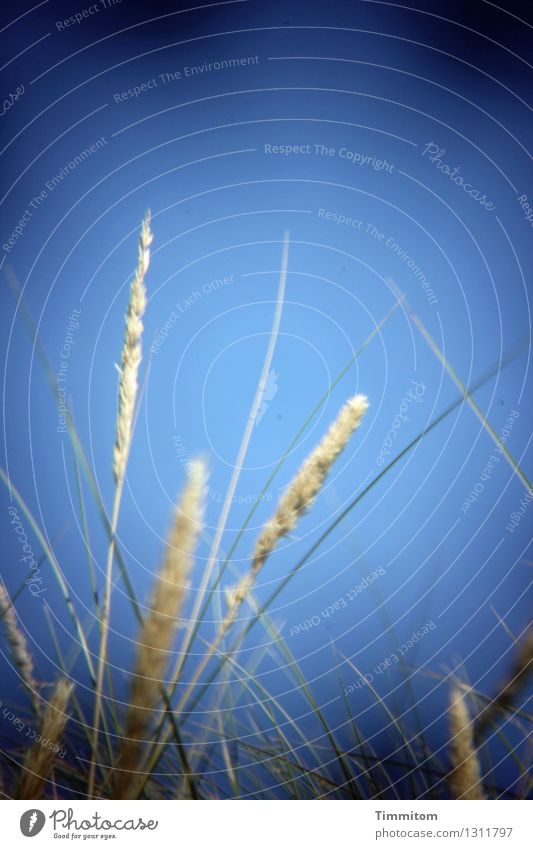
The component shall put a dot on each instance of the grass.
(127, 397)
(158, 628)
(172, 739)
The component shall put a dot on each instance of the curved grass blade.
(55, 568)
(295, 569)
(426, 335)
(293, 443)
(192, 628)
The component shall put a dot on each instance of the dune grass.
(159, 627)
(172, 740)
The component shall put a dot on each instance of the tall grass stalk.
(40, 759)
(465, 777)
(195, 616)
(340, 518)
(199, 618)
(243, 449)
(19, 649)
(159, 628)
(277, 468)
(130, 771)
(298, 497)
(66, 668)
(81, 461)
(128, 386)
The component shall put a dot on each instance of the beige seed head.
(159, 626)
(465, 778)
(236, 595)
(131, 354)
(19, 648)
(302, 491)
(41, 757)
(298, 497)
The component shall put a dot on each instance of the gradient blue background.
(380, 79)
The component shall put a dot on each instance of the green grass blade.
(426, 335)
(295, 569)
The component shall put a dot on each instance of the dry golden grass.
(298, 497)
(131, 354)
(41, 757)
(159, 626)
(465, 777)
(236, 594)
(302, 491)
(130, 765)
(19, 649)
(127, 396)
